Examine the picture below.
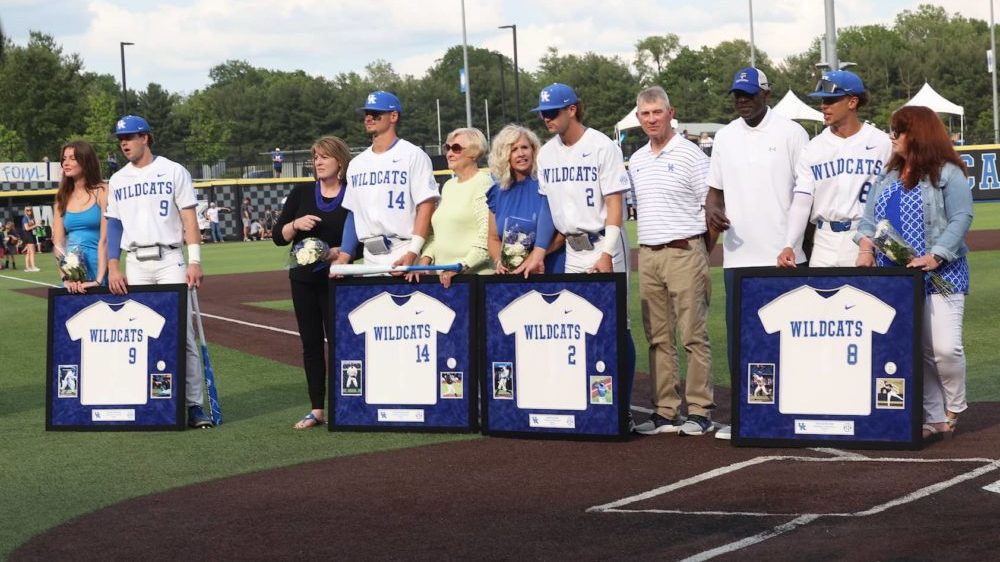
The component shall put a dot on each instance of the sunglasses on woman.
(456, 148)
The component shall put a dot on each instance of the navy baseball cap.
(838, 83)
(750, 80)
(555, 96)
(132, 124)
(380, 100)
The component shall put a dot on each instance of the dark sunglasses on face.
(549, 114)
(456, 148)
(376, 115)
(128, 137)
(893, 135)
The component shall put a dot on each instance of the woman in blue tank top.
(79, 221)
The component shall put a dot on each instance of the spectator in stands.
(112, 160)
(212, 214)
(28, 226)
(268, 222)
(277, 160)
(248, 216)
(705, 143)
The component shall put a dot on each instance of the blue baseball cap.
(380, 100)
(750, 80)
(132, 124)
(838, 83)
(555, 96)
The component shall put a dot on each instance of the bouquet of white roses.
(518, 240)
(890, 243)
(73, 266)
(308, 251)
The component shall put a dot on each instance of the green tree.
(653, 54)
(605, 84)
(40, 94)
(11, 146)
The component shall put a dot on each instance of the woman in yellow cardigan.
(461, 221)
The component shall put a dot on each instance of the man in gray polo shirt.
(668, 175)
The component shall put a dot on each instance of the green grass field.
(47, 478)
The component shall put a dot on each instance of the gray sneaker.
(696, 425)
(659, 424)
(725, 432)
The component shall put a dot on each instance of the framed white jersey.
(817, 347)
(552, 355)
(396, 352)
(117, 363)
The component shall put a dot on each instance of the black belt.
(679, 244)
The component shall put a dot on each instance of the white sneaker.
(725, 432)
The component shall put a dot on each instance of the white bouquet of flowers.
(890, 243)
(73, 266)
(518, 240)
(307, 252)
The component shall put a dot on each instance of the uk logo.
(371, 98)
(544, 96)
(120, 124)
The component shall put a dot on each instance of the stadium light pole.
(993, 72)
(503, 90)
(468, 82)
(122, 45)
(753, 48)
(517, 77)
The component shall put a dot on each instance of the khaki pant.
(675, 288)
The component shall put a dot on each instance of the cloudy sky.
(178, 41)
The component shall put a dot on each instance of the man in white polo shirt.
(751, 176)
(668, 175)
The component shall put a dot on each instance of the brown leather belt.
(681, 244)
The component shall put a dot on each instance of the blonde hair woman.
(461, 220)
(513, 162)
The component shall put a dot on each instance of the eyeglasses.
(376, 115)
(456, 148)
(550, 114)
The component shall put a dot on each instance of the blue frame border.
(161, 414)
(763, 425)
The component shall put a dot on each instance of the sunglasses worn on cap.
(456, 148)
(550, 113)
(828, 87)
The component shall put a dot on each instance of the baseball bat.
(365, 269)
(206, 361)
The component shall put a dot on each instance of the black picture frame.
(165, 362)
(895, 358)
(502, 414)
(454, 353)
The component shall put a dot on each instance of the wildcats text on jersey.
(570, 173)
(380, 177)
(405, 332)
(143, 188)
(116, 335)
(826, 328)
(552, 331)
(856, 166)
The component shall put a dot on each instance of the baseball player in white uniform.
(151, 212)
(834, 174)
(582, 175)
(391, 192)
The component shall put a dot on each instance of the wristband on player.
(869, 252)
(609, 243)
(416, 243)
(194, 253)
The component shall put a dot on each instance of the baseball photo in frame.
(116, 363)
(402, 355)
(828, 357)
(552, 355)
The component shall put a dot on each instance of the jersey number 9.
(164, 207)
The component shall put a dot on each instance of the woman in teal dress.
(79, 221)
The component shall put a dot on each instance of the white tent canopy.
(927, 97)
(630, 121)
(792, 107)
